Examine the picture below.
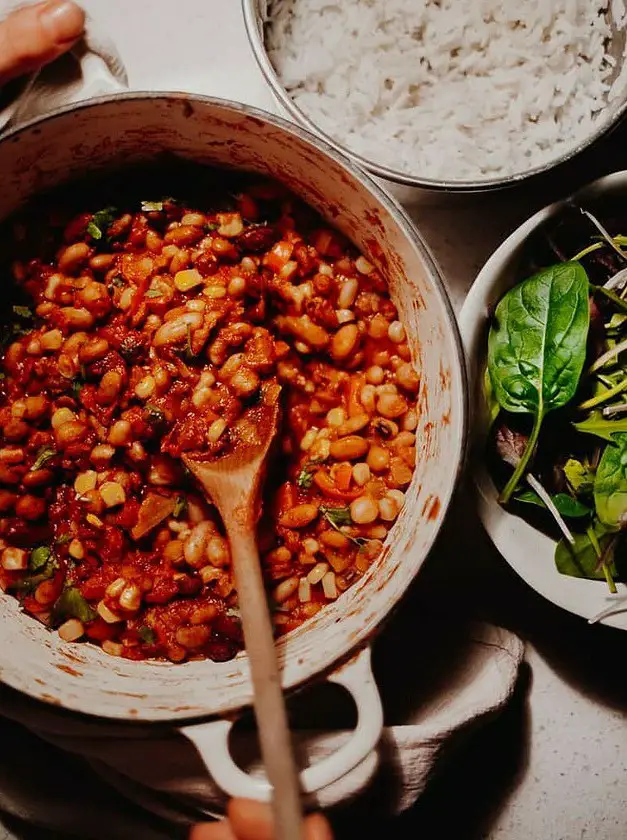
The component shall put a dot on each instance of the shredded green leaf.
(180, 507)
(152, 206)
(337, 516)
(43, 456)
(152, 293)
(305, 478)
(39, 557)
(147, 635)
(155, 415)
(118, 282)
(64, 538)
(23, 312)
(100, 223)
(71, 604)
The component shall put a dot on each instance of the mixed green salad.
(556, 390)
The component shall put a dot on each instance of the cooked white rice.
(448, 89)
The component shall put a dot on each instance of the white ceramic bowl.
(528, 551)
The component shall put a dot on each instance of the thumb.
(35, 35)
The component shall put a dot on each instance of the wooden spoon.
(232, 482)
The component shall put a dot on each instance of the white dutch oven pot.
(127, 128)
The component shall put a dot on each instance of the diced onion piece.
(188, 279)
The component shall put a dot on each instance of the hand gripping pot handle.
(212, 739)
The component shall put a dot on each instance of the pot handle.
(212, 739)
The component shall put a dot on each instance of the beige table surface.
(554, 766)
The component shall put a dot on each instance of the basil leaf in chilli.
(101, 222)
(43, 456)
(537, 349)
(71, 604)
(147, 635)
(337, 516)
(152, 206)
(39, 557)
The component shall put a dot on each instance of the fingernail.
(62, 20)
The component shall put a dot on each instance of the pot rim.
(396, 176)
(411, 233)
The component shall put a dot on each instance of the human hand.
(248, 820)
(35, 35)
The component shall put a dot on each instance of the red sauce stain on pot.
(431, 507)
(49, 698)
(71, 671)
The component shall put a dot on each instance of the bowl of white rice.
(458, 95)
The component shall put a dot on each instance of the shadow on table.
(481, 582)
(466, 797)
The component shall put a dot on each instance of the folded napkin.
(92, 68)
(155, 783)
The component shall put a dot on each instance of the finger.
(212, 831)
(35, 35)
(317, 828)
(253, 821)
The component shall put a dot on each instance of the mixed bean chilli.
(142, 333)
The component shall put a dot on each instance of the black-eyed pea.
(378, 327)
(388, 508)
(204, 615)
(361, 473)
(345, 342)
(77, 318)
(193, 637)
(407, 377)
(195, 545)
(368, 398)
(73, 257)
(396, 332)
(71, 630)
(112, 494)
(349, 448)
(285, 589)
(391, 405)
(101, 262)
(245, 382)
(299, 516)
(364, 510)
(404, 439)
(375, 375)
(173, 552)
(348, 293)
(120, 433)
(217, 552)
(410, 421)
(336, 416)
(36, 407)
(378, 458)
(183, 235)
(110, 385)
(51, 340)
(93, 349)
(354, 424)
(70, 433)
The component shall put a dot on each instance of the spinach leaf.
(537, 348)
(565, 504)
(23, 312)
(491, 402)
(71, 604)
(101, 222)
(610, 484)
(582, 559)
(579, 476)
(596, 424)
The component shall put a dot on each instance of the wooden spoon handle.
(272, 725)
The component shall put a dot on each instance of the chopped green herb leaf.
(23, 312)
(43, 456)
(153, 293)
(71, 604)
(100, 223)
(64, 538)
(180, 508)
(152, 206)
(147, 635)
(211, 226)
(31, 582)
(155, 415)
(118, 282)
(337, 516)
(39, 557)
(305, 478)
